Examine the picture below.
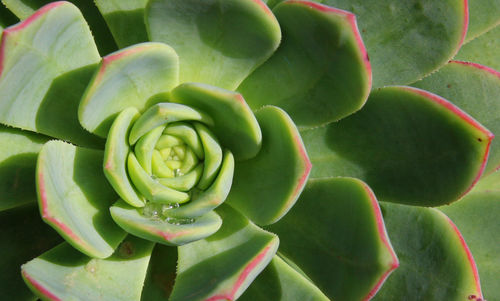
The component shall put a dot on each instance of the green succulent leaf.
(115, 158)
(281, 282)
(321, 71)
(127, 78)
(260, 189)
(17, 166)
(34, 89)
(213, 156)
(173, 232)
(66, 274)
(125, 19)
(483, 49)
(234, 123)
(227, 39)
(335, 234)
(223, 265)
(74, 197)
(473, 88)
(483, 16)
(409, 145)
(476, 215)
(23, 237)
(161, 273)
(25, 8)
(435, 261)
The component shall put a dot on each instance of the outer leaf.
(260, 190)
(279, 281)
(161, 273)
(234, 123)
(158, 230)
(484, 15)
(321, 71)
(483, 50)
(17, 166)
(23, 236)
(74, 197)
(473, 88)
(115, 158)
(435, 261)
(127, 78)
(25, 8)
(222, 266)
(409, 145)
(336, 235)
(65, 274)
(476, 215)
(125, 19)
(227, 39)
(34, 89)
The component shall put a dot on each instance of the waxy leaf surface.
(335, 234)
(483, 49)
(483, 16)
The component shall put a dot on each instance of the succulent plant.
(239, 149)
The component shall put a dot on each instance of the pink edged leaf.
(436, 264)
(483, 49)
(474, 88)
(127, 78)
(409, 145)
(336, 236)
(260, 191)
(222, 266)
(164, 230)
(34, 89)
(320, 73)
(66, 274)
(483, 16)
(227, 40)
(74, 197)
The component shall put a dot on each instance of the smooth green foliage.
(260, 190)
(213, 156)
(33, 87)
(434, 264)
(188, 135)
(406, 144)
(125, 19)
(483, 49)
(227, 38)
(17, 166)
(476, 216)
(475, 90)
(74, 198)
(115, 158)
(234, 123)
(127, 78)
(144, 148)
(320, 72)
(23, 236)
(223, 265)
(69, 275)
(333, 234)
(163, 231)
(25, 8)
(280, 282)
(483, 15)
(161, 273)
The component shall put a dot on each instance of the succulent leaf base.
(249, 149)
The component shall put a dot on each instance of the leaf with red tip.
(23, 236)
(435, 261)
(409, 145)
(227, 39)
(66, 274)
(476, 215)
(473, 88)
(281, 282)
(17, 166)
(34, 89)
(222, 266)
(336, 236)
(321, 71)
(483, 49)
(234, 123)
(127, 78)
(260, 190)
(74, 197)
